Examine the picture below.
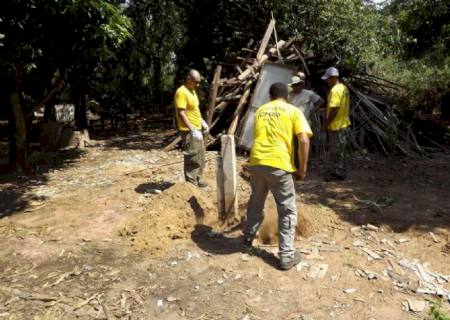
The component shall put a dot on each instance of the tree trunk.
(18, 146)
(80, 110)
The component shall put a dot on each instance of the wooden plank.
(228, 98)
(173, 144)
(213, 93)
(220, 186)
(303, 60)
(241, 104)
(230, 198)
(265, 40)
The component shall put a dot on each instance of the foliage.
(72, 35)
(424, 26)
(436, 313)
(348, 29)
(46, 40)
(420, 60)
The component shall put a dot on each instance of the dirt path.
(114, 233)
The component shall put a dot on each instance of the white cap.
(299, 78)
(330, 72)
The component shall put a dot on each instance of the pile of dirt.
(310, 221)
(171, 217)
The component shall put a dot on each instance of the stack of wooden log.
(375, 125)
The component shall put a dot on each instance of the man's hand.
(205, 127)
(196, 135)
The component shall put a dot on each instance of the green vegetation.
(436, 313)
(133, 53)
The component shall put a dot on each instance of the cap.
(299, 78)
(330, 72)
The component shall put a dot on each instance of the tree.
(33, 52)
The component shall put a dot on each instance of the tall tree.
(33, 51)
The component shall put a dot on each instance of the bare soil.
(113, 232)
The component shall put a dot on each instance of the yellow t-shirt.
(339, 97)
(276, 124)
(188, 100)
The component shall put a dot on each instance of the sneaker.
(295, 260)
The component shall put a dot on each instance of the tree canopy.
(130, 53)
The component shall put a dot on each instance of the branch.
(56, 88)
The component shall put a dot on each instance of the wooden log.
(213, 93)
(241, 104)
(291, 56)
(265, 40)
(280, 44)
(290, 42)
(172, 145)
(303, 60)
(228, 98)
(247, 72)
(229, 82)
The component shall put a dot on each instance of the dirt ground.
(113, 232)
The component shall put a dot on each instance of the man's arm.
(318, 104)
(303, 154)
(182, 115)
(333, 113)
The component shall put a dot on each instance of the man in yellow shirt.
(191, 124)
(336, 122)
(272, 167)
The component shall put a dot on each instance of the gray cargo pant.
(194, 158)
(281, 184)
(337, 152)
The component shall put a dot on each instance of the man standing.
(190, 124)
(306, 100)
(272, 167)
(336, 122)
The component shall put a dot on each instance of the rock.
(415, 305)
(172, 299)
(349, 290)
(435, 238)
(355, 229)
(301, 265)
(372, 254)
(358, 243)
(372, 227)
(245, 257)
(318, 270)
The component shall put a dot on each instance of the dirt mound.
(310, 221)
(171, 217)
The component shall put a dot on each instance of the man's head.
(298, 82)
(193, 79)
(331, 76)
(278, 90)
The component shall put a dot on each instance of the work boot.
(248, 242)
(288, 263)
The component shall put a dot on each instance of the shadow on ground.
(395, 192)
(153, 187)
(15, 191)
(220, 244)
(146, 134)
